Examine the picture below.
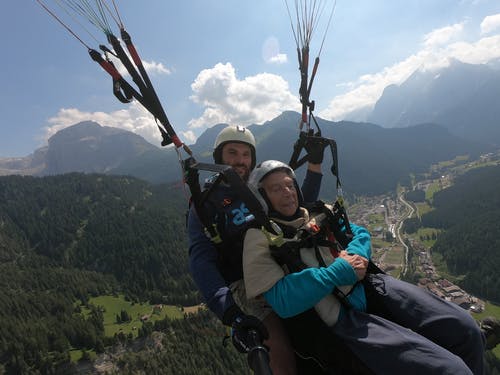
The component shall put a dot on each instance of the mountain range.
(431, 117)
(465, 98)
(89, 147)
(372, 159)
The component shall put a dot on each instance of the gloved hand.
(315, 147)
(241, 327)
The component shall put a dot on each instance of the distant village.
(432, 281)
(393, 213)
(442, 287)
(395, 210)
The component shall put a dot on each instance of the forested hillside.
(66, 238)
(184, 347)
(118, 226)
(469, 212)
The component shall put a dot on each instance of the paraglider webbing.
(307, 16)
(303, 91)
(113, 72)
(149, 90)
(96, 12)
(149, 98)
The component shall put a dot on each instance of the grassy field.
(395, 272)
(433, 188)
(450, 163)
(376, 219)
(194, 309)
(423, 233)
(379, 243)
(394, 255)
(76, 355)
(442, 270)
(113, 305)
(423, 208)
(490, 309)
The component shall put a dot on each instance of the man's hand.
(357, 262)
(315, 147)
(241, 327)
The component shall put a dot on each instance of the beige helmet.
(233, 134)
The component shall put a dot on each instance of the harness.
(331, 230)
(216, 205)
(311, 337)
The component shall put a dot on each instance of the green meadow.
(112, 306)
(490, 309)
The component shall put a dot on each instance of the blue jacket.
(213, 272)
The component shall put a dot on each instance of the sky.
(225, 61)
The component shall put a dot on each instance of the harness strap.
(198, 199)
(342, 297)
(287, 253)
(300, 144)
(228, 175)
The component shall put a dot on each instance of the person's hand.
(240, 332)
(315, 147)
(357, 262)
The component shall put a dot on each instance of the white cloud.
(280, 58)
(439, 47)
(156, 68)
(135, 119)
(152, 68)
(490, 23)
(188, 137)
(227, 99)
(480, 52)
(368, 88)
(271, 51)
(443, 35)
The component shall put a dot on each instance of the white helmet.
(233, 134)
(264, 169)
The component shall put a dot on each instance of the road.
(399, 224)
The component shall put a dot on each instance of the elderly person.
(391, 326)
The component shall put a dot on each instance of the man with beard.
(217, 268)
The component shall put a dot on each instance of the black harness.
(214, 205)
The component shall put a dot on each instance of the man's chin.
(243, 173)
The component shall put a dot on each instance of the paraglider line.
(62, 23)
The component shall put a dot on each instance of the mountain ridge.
(366, 152)
(463, 97)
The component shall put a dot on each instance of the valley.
(408, 256)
